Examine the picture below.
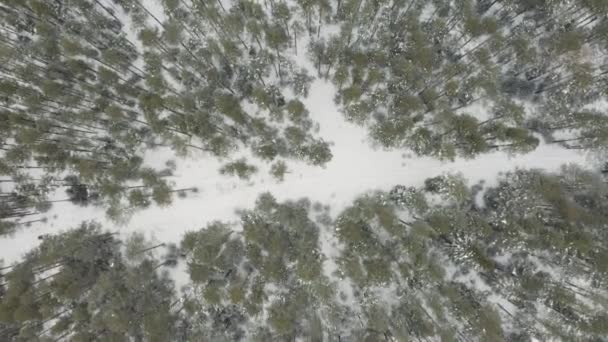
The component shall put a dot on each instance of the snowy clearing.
(356, 168)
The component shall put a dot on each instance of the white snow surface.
(356, 168)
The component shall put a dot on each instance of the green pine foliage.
(87, 87)
(415, 72)
(239, 168)
(412, 264)
(78, 285)
(84, 90)
(82, 97)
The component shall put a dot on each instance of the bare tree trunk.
(279, 66)
(295, 40)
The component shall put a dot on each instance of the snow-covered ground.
(355, 169)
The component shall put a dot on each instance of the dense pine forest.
(95, 93)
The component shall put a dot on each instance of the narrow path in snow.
(355, 168)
